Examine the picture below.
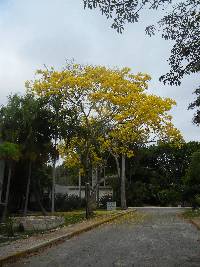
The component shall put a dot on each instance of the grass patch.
(71, 217)
(105, 212)
(131, 218)
(189, 214)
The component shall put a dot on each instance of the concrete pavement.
(159, 239)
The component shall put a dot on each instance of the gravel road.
(158, 238)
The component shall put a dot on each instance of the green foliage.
(189, 214)
(64, 202)
(197, 200)
(169, 197)
(9, 226)
(88, 119)
(185, 56)
(196, 105)
(6, 228)
(66, 175)
(156, 175)
(10, 122)
(74, 218)
(10, 151)
(24, 121)
(123, 11)
(181, 24)
(138, 194)
(192, 181)
(193, 172)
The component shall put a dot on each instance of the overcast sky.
(37, 32)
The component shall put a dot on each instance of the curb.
(191, 221)
(16, 256)
(195, 224)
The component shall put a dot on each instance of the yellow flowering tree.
(135, 117)
(116, 99)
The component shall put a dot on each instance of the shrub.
(7, 227)
(195, 201)
(137, 194)
(192, 181)
(169, 197)
(64, 202)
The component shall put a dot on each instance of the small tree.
(9, 152)
(35, 136)
(25, 121)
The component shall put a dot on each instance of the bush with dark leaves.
(64, 202)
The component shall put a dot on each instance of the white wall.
(74, 190)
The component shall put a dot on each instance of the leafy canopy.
(196, 106)
(9, 151)
(193, 173)
(115, 99)
(181, 24)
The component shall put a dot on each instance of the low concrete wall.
(74, 190)
(38, 223)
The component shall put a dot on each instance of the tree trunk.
(28, 188)
(104, 176)
(97, 195)
(117, 164)
(123, 184)
(93, 191)
(130, 173)
(94, 177)
(79, 184)
(7, 193)
(2, 171)
(88, 198)
(37, 196)
(96, 186)
(53, 187)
